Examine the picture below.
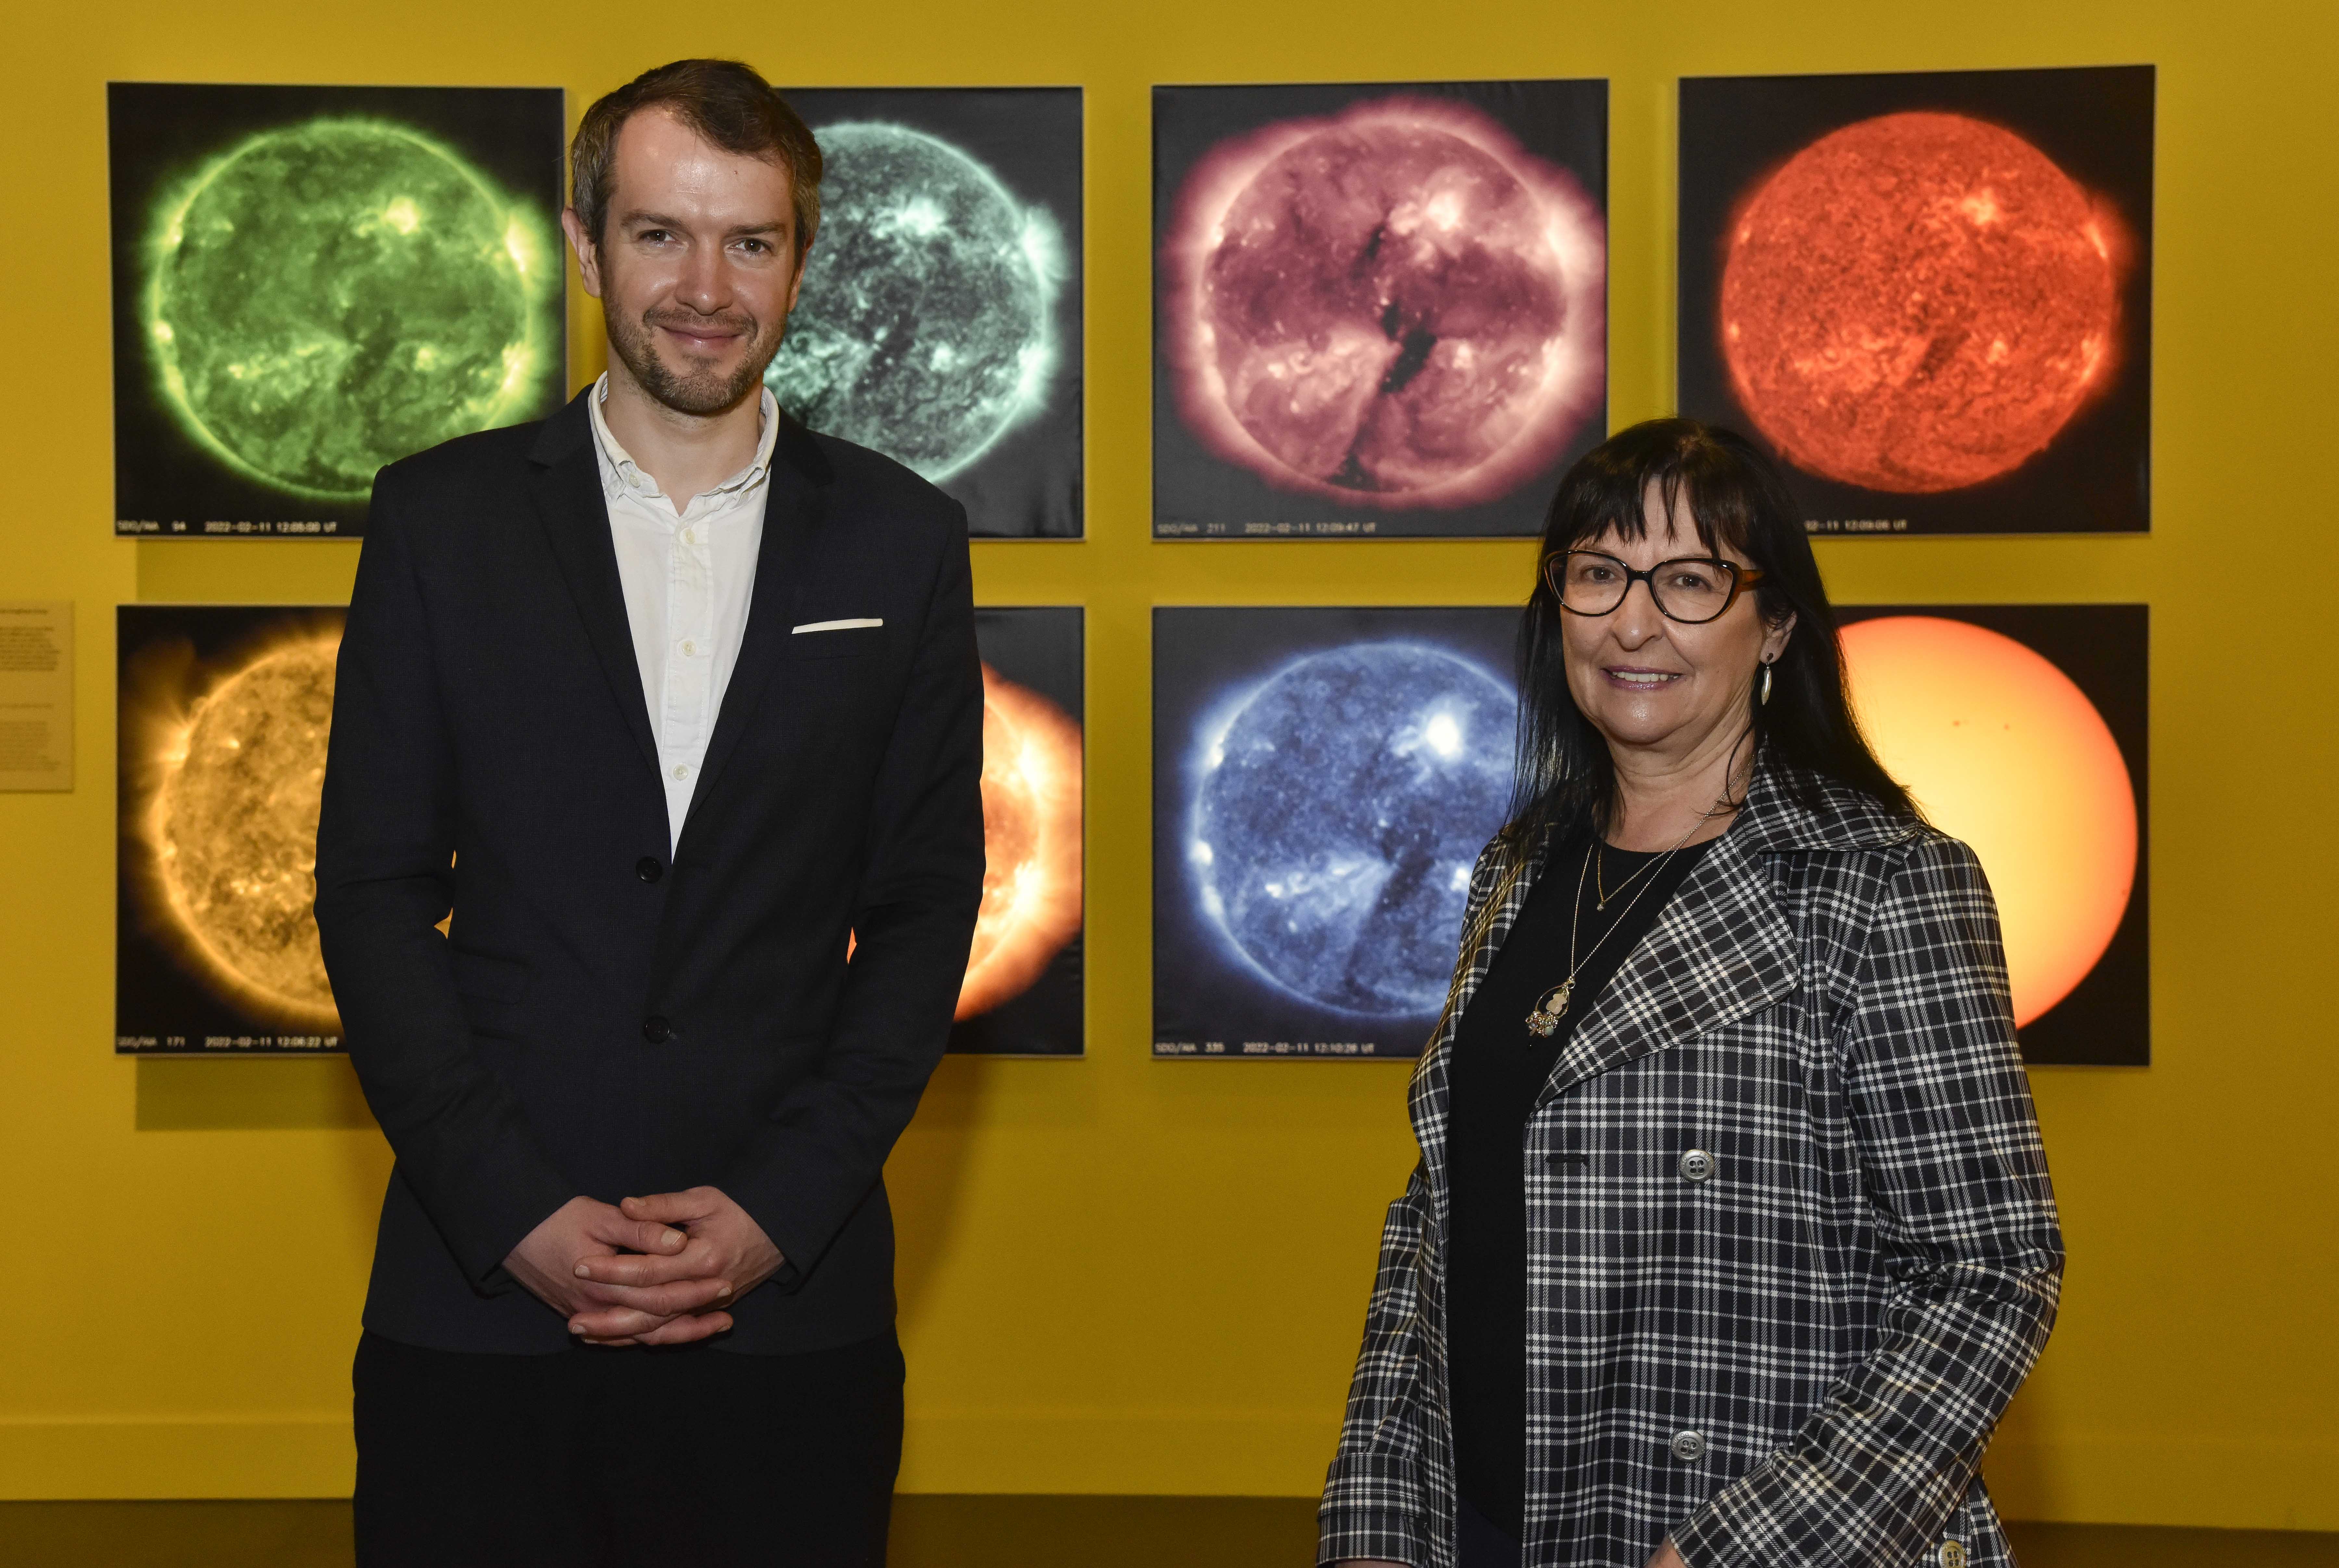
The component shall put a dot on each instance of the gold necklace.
(1599, 865)
(1542, 1021)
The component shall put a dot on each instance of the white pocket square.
(837, 626)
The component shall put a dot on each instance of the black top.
(1498, 1068)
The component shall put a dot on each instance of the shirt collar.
(627, 474)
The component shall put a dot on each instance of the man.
(672, 704)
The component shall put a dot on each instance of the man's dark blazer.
(604, 1017)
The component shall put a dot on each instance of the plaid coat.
(1792, 1246)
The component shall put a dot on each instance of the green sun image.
(926, 325)
(330, 297)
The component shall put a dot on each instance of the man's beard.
(697, 392)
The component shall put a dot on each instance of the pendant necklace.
(1600, 893)
(1543, 1021)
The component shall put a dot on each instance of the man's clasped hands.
(656, 1270)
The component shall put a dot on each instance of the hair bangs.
(1719, 512)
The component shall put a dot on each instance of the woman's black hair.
(1565, 780)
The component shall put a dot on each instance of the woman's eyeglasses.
(1691, 590)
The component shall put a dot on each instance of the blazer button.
(648, 869)
(657, 1030)
(1689, 1447)
(1696, 1166)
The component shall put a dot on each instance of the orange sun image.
(1919, 303)
(1031, 842)
(222, 816)
(2002, 749)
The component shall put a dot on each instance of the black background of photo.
(2106, 650)
(2095, 122)
(1032, 484)
(159, 133)
(156, 992)
(1564, 123)
(1201, 658)
(1039, 648)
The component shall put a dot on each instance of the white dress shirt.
(687, 577)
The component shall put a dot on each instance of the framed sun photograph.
(1323, 781)
(312, 282)
(1025, 988)
(1380, 309)
(224, 713)
(2022, 730)
(941, 318)
(1930, 293)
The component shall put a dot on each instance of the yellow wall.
(1124, 1276)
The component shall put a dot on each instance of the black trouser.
(626, 1458)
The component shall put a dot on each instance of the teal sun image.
(926, 326)
(330, 297)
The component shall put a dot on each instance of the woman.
(1732, 1235)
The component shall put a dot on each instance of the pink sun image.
(1398, 307)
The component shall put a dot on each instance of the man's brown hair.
(724, 101)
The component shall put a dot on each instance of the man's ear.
(588, 254)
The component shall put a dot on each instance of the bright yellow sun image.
(2003, 751)
(228, 826)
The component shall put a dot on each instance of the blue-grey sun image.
(1337, 811)
(327, 297)
(926, 328)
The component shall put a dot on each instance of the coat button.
(657, 1030)
(1696, 1166)
(1689, 1447)
(648, 868)
(1953, 1554)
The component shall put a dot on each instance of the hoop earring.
(1763, 700)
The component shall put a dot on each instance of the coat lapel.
(1720, 952)
(794, 506)
(1482, 939)
(576, 518)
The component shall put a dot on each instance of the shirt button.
(690, 536)
(1689, 1447)
(1696, 1166)
(648, 868)
(688, 646)
(658, 1031)
(682, 770)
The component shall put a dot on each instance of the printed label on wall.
(36, 695)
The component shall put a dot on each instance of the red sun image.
(1919, 303)
(1398, 307)
(1030, 842)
